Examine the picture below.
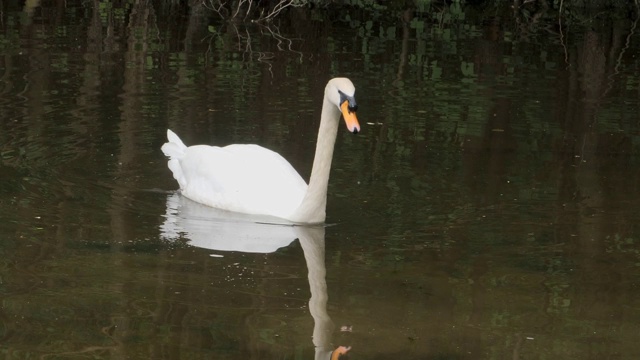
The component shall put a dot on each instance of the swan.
(251, 179)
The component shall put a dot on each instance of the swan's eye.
(353, 106)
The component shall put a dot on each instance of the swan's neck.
(313, 206)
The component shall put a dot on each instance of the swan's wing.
(242, 178)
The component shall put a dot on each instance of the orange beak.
(339, 351)
(350, 118)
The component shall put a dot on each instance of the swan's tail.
(174, 150)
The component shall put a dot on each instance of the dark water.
(487, 210)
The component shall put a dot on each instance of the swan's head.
(341, 93)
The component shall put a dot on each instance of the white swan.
(253, 180)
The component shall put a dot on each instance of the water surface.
(487, 210)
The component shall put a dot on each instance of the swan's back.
(243, 178)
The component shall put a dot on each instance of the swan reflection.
(215, 229)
